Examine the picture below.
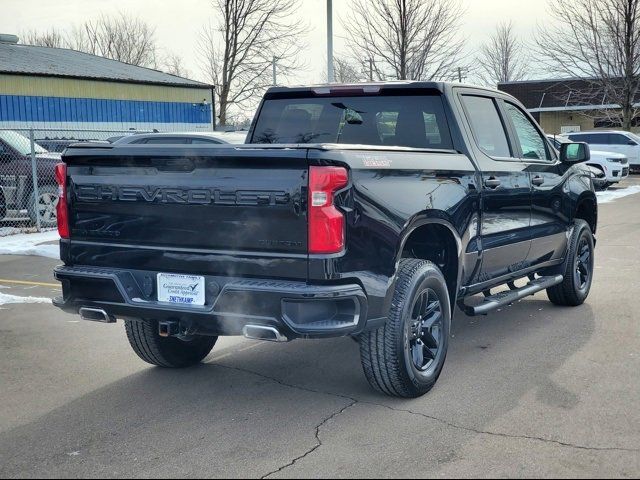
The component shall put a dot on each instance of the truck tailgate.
(215, 200)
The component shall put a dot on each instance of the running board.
(507, 297)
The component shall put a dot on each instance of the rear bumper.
(296, 309)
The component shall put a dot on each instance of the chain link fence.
(28, 189)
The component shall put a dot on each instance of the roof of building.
(62, 62)
(559, 94)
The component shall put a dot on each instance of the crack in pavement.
(318, 441)
(353, 401)
(508, 435)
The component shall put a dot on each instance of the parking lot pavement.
(531, 390)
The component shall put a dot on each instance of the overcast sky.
(178, 22)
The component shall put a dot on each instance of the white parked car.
(617, 141)
(614, 166)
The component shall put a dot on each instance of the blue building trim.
(22, 108)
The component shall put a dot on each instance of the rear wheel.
(168, 352)
(405, 357)
(44, 207)
(578, 274)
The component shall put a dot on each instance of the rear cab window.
(402, 120)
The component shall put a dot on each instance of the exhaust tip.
(263, 332)
(96, 315)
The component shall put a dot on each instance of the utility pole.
(371, 69)
(330, 74)
(275, 77)
(462, 74)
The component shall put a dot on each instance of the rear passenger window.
(591, 139)
(486, 126)
(599, 139)
(532, 144)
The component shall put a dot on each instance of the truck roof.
(373, 87)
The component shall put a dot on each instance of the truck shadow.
(247, 412)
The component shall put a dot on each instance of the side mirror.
(632, 143)
(574, 152)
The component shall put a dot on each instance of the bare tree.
(406, 39)
(174, 65)
(52, 38)
(236, 55)
(598, 40)
(502, 58)
(346, 71)
(123, 38)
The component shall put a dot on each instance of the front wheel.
(168, 352)
(579, 267)
(405, 357)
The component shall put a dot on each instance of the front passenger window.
(531, 141)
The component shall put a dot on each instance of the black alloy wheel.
(425, 330)
(584, 264)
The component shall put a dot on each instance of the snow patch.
(7, 299)
(609, 196)
(4, 231)
(31, 244)
(233, 137)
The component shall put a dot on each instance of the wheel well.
(436, 243)
(587, 211)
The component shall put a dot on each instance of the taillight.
(62, 212)
(326, 222)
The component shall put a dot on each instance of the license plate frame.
(181, 289)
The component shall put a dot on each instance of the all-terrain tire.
(573, 291)
(168, 352)
(386, 353)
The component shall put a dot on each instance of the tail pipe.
(263, 332)
(96, 315)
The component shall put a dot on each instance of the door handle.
(537, 181)
(492, 183)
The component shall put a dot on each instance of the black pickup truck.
(368, 210)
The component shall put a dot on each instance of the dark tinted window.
(617, 139)
(532, 143)
(486, 126)
(164, 141)
(407, 121)
(591, 138)
(204, 140)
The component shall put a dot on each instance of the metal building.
(568, 105)
(51, 88)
